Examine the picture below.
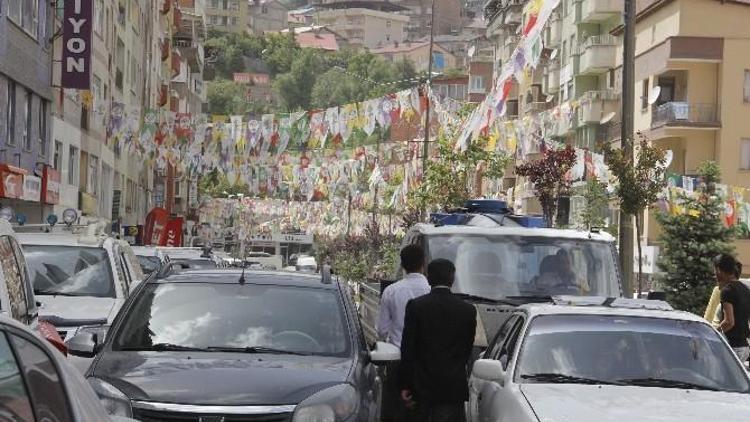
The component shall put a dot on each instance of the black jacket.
(436, 344)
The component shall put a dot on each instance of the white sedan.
(625, 361)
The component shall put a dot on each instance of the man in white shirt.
(390, 324)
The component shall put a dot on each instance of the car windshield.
(149, 264)
(217, 316)
(70, 270)
(496, 267)
(193, 264)
(622, 350)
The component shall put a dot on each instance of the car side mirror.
(384, 353)
(489, 370)
(84, 345)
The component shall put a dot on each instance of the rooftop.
(320, 41)
(400, 47)
(383, 6)
(515, 231)
(537, 309)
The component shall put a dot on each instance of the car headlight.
(335, 404)
(115, 402)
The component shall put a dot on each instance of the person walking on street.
(735, 305)
(438, 337)
(390, 322)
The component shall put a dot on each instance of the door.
(493, 399)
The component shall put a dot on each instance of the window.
(14, 389)
(10, 116)
(99, 17)
(747, 86)
(57, 159)
(43, 381)
(14, 11)
(70, 270)
(565, 53)
(18, 305)
(177, 184)
(611, 79)
(644, 95)
(477, 83)
(388, 23)
(667, 86)
(745, 154)
(264, 9)
(93, 176)
(73, 166)
(27, 129)
(43, 128)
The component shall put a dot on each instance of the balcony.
(610, 132)
(553, 33)
(594, 105)
(597, 54)
(683, 114)
(535, 107)
(551, 81)
(593, 11)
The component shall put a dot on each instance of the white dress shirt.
(393, 305)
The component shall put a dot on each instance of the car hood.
(593, 403)
(67, 311)
(205, 378)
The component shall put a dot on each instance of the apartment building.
(227, 15)
(268, 16)
(695, 52)
(418, 53)
(26, 157)
(366, 24)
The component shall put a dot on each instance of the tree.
(228, 97)
(280, 52)
(640, 180)
(447, 177)
(595, 195)
(215, 183)
(295, 87)
(548, 177)
(693, 235)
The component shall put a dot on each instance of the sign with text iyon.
(76, 60)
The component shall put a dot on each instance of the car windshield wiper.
(482, 299)
(665, 383)
(255, 349)
(163, 347)
(46, 293)
(532, 298)
(555, 378)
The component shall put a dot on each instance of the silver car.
(37, 383)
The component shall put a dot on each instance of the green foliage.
(595, 194)
(448, 175)
(228, 97)
(295, 87)
(280, 52)
(215, 183)
(548, 177)
(640, 178)
(690, 241)
(357, 258)
(226, 51)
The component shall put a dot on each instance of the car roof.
(538, 309)
(430, 229)
(229, 276)
(62, 239)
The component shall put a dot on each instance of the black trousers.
(440, 413)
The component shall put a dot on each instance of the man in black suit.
(438, 336)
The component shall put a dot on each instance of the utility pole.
(426, 144)
(628, 98)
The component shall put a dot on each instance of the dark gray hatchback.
(211, 346)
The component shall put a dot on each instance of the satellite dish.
(472, 50)
(607, 118)
(553, 54)
(518, 31)
(655, 92)
(668, 157)
(549, 98)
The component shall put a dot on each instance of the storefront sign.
(76, 60)
(293, 238)
(50, 186)
(12, 181)
(156, 222)
(32, 188)
(173, 233)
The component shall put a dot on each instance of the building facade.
(227, 15)
(268, 16)
(418, 54)
(695, 52)
(365, 27)
(25, 105)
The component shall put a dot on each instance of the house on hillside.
(365, 23)
(268, 16)
(318, 37)
(418, 53)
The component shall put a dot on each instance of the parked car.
(596, 359)
(16, 291)
(38, 384)
(193, 258)
(80, 275)
(269, 346)
(306, 264)
(153, 261)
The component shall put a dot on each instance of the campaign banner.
(76, 59)
(156, 222)
(172, 236)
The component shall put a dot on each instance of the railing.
(607, 95)
(598, 40)
(682, 113)
(610, 132)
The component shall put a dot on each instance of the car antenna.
(242, 276)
